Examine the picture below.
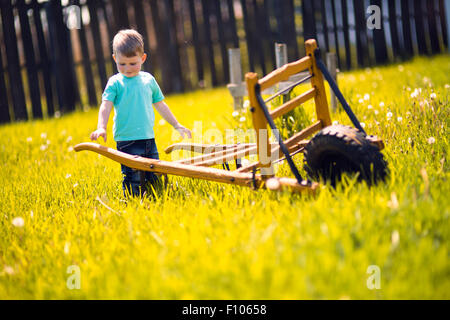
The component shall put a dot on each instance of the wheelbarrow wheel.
(337, 149)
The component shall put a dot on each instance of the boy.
(132, 93)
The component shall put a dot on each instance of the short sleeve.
(110, 91)
(157, 94)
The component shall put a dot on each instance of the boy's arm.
(103, 116)
(164, 111)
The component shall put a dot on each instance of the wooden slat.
(95, 29)
(167, 167)
(291, 104)
(283, 73)
(196, 42)
(345, 27)
(202, 148)
(208, 40)
(406, 30)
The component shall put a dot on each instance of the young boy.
(132, 93)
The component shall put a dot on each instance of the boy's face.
(129, 66)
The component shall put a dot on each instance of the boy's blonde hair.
(128, 42)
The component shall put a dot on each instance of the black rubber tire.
(337, 149)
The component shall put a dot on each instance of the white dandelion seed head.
(246, 104)
(18, 222)
(389, 115)
(431, 140)
(376, 112)
(29, 139)
(381, 104)
(433, 96)
(69, 138)
(68, 176)
(361, 100)
(70, 149)
(242, 119)
(161, 122)
(363, 125)
(447, 86)
(366, 96)
(43, 147)
(399, 119)
(369, 107)
(235, 114)
(44, 135)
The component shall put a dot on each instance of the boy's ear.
(144, 57)
(114, 57)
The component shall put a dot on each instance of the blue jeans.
(135, 181)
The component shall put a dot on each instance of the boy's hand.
(98, 133)
(183, 131)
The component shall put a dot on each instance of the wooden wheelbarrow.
(268, 153)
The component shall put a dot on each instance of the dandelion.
(246, 104)
(381, 104)
(395, 238)
(75, 185)
(361, 100)
(43, 147)
(431, 140)
(29, 139)
(376, 112)
(335, 122)
(433, 96)
(48, 142)
(161, 122)
(399, 119)
(389, 115)
(369, 107)
(242, 119)
(64, 132)
(18, 222)
(366, 96)
(68, 176)
(235, 114)
(447, 86)
(69, 138)
(70, 149)
(44, 135)
(416, 93)
(9, 270)
(363, 125)
(409, 140)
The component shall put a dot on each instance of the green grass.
(203, 240)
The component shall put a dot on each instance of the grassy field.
(203, 240)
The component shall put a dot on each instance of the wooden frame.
(199, 166)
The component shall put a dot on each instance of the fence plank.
(207, 38)
(12, 56)
(232, 24)
(432, 27)
(309, 21)
(107, 18)
(248, 36)
(196, 43)
(348, 55)
(259, 41)
(174, 49)
(222, 43)
(324, 22)
(362, 50)
(4, 107)
(142, 28)
(392, 12)
(44, 62)
(120, 13)
(379, 39)
(444, 23)
(30, 60)
(420, 28)
(86, 62)
(335, 33)
(406, 28)
(95, 29)
(62, 59)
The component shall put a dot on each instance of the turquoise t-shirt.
(133, 100)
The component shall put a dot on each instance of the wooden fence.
(55, 55)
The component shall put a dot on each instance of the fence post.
(281, 59)
(447, 16)
(331, 65)
(234, 57)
